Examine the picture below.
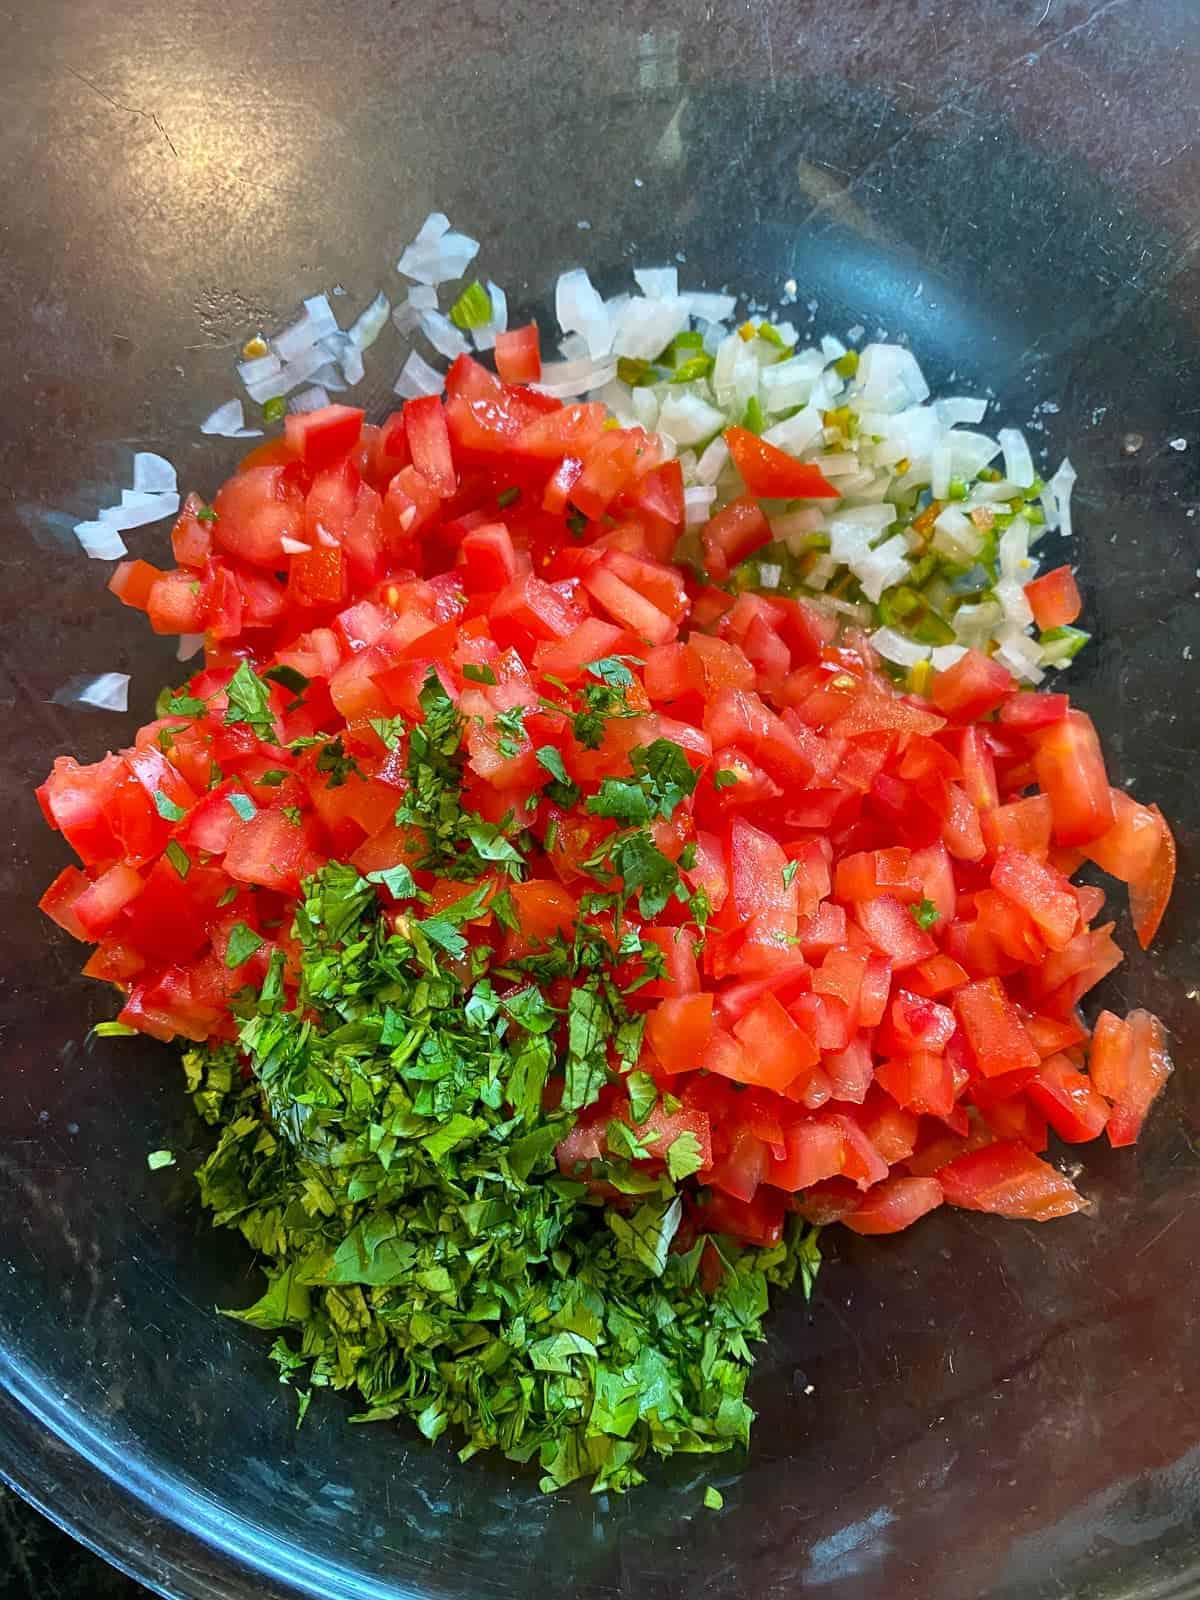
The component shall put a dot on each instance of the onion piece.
(138, 509)
(882, 568)
(1060, 487)
(959, 408)
(101, 541)
(1018, 462)
(107, 692)
(697, 504)
(894, 647)
(190, 644)
(797, 433)
(443, 335)
(262, 367)
(418, 378)
(153, 474)
(320, 316)
(712, 307)
(294, 547)
(367, 327)
(688, 418)
(579, 309)
(226, 421)
(657, 283)
(646, 327)
(946, 656)
(313, 399)
(713, 461)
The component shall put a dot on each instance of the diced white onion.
(579, 309)
(138, 509)
(697, 504)
(320, 316)
(562, 380)
(657, 283)
(790, 383)
(153, 474)
(882, 568)
(946, 656)
(308, 400)
(969, 452)
(226, 421)
(939, 470)
(1018, 462)
(443, 335)
(1015, 606)
(437, 255)
(1013, 551)
(956, 409)
(873, 518)
(190, 644)
(330, 378)
(974, 625)
(1021, 655)
(956, 536)
(821, 571)
(712, 462)
(688, 418)
(101, 541)
(370, 323)
(832, 349)
(292, 343)
(262, 367)
(644, 404)
(107, 692)
(1060, 487)
(294, 547)
(712, 307)
(894, 647)
(795, 526)
(889, 379)
(417, 377)
(770, 574)
(797, 433)
(646, 327)
(499, 306)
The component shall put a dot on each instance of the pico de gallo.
(562, 928)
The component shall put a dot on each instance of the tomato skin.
(1007, 1179)
(132, 582)
(255, 511)
(429, 443)
(1045, 895)
(771, 473)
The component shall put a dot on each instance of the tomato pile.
(879, 1011)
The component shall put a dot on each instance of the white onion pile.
(153, 496)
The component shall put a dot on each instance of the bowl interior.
(976, 1408)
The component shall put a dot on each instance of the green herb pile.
(391, 1159)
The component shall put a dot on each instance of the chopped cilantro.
(791, 868)
(178, 703)
(723, 778)
(206, 514)
(288, 677)
(683, 1156)
(158, 1159)
(643, 1095)
(478, 672)
(398, 881)
(250, 702)
(243, 942)
(272, 778)
(228, 896)
(508, 497)
(178, 857)
(167, 809)
(925, 914)
(713, 1499)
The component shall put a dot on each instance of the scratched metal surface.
(997, 1411)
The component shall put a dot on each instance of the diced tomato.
(678, 1031)
(322, 437)
(973, 686)
(734, 533)
(1054, 598)
(993, 1028)
(1007, 1179)
(518, 355)
(429, 443)
(771, 473)
(895, 1204)
(1041, 892)
(1070, 769)
(1147, 1066)
(1068, 1100)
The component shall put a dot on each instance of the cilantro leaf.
(713, 1499)
(478, 672)
(398, 881)
(643, 1095)
(288, 677)
(167, 809)
(243, 942)
(723, 778)
(683, 1156)
(250, 702)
